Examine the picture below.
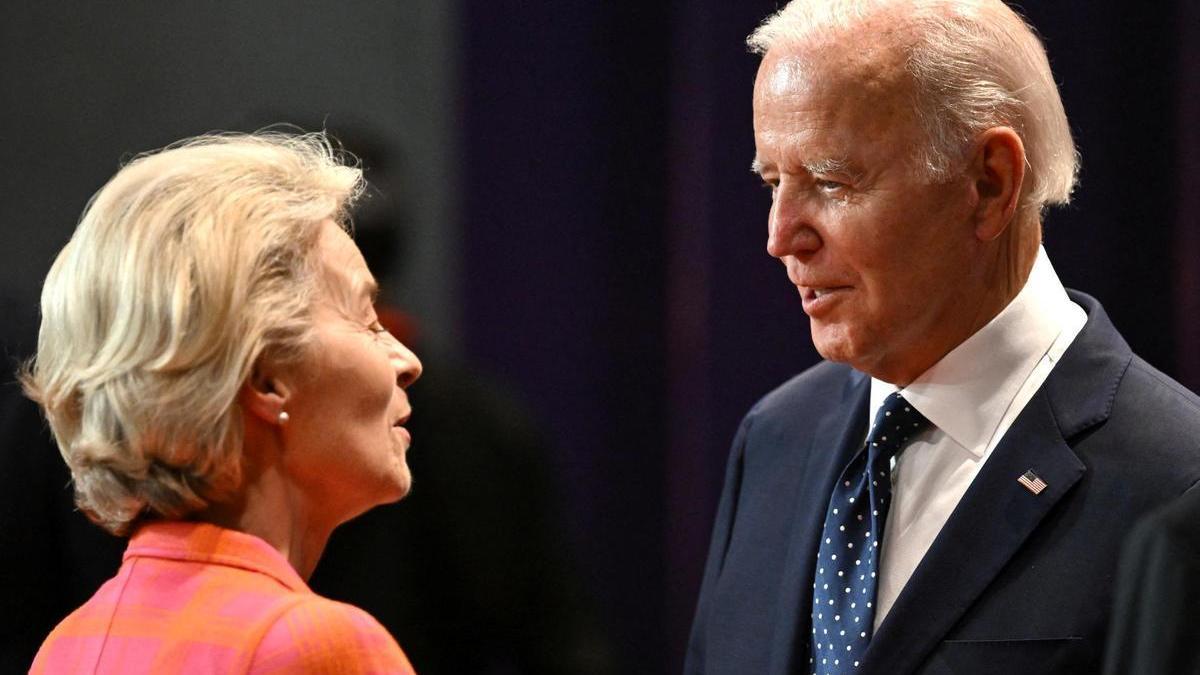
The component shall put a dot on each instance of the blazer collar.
(212, 545)
(997, 514)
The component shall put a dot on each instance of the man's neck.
(1003, 272)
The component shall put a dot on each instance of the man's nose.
(790, 229)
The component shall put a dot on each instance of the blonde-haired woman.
(214, 373)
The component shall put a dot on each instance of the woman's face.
(345, 442)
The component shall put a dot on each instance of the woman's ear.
(999, 173)
(265, 394)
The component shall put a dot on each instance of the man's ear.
(264, 395)
(998, 170)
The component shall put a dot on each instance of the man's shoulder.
(1119, 387)
(1136, 428)
(817, 388)
(1144, 380)
(1154, 406)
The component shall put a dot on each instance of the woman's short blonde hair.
(189, 267)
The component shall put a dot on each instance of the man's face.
(883, 261)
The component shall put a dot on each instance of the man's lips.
(818, 299)
(817, 292)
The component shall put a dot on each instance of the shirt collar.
(207, 543)
(967, 392)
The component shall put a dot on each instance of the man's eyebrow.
(828, 165)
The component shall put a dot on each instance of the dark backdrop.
(599, 239)
(616, 245)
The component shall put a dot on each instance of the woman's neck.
(270, 508)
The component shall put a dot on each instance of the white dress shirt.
(972, 395)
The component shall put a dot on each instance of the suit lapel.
(987, 527)
(997, 514)
(835, 440)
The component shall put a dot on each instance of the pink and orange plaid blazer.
(197, 598)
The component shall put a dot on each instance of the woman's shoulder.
(316, 634)
(155, 612)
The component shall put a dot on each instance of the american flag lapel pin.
(1032, 482)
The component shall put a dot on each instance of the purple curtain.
(614, 240)
(1187, 221)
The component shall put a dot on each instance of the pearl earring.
(283, 417)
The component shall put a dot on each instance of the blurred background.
(567, 230)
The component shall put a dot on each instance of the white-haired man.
(973, 526)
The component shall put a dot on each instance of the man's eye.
(825, 185)
(377, 327)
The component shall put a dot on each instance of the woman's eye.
(377, 327)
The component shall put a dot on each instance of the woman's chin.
(401, 482)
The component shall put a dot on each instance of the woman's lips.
(398, 426)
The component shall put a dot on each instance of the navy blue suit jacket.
(1014, 582)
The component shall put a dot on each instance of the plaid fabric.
(197, 598)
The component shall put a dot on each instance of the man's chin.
(833, 344)
(839, 347)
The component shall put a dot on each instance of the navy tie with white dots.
(844, 585)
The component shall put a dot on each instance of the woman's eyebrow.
(367, 287)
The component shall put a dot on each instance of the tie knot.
(895, 423)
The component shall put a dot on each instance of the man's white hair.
(975, 65)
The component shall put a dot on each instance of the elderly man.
(911, 147)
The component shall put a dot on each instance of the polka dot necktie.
(843, 611)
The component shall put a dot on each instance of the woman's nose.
(408, 366)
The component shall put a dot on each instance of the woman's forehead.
(343, 269)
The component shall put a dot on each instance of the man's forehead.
(786, 69)
(783, 74)
(820, 87)
(828, 121)
(871, 52)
